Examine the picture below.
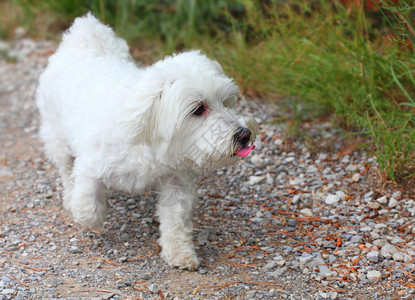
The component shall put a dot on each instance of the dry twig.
(14, 278)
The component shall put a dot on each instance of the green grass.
(357, 67)
(336, 62)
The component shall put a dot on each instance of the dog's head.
(183, 108)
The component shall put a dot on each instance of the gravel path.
(295, 220)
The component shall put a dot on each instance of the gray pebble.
(75, 249)
(153, 288)
(373, 256)
(278, 272)
(203, 271)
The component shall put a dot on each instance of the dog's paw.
(182, 260)
(92, 221)
(89, 217)
(67, 200)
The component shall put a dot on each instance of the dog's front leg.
(175, 207)
(87, 202)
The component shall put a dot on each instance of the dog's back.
(89, 34)
(83, 87)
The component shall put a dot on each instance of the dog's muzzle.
(241, 140)
(242, 137)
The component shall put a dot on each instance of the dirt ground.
(251, 236)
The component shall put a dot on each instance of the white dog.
(108, 124)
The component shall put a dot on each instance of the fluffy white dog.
(108, 124)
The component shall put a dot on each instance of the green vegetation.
(354, 63)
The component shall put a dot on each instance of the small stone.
(5, 172)
(373, 276)
(270, 265)
(74, 240)
(356, 177)
(295, 199)
(305, 258)
(368, 195)
(278, 142)
(341, 195)
(356, 239)
(373, 205)
(292, 223)
(257, 160)
(278, 272)
(279, 260)
(256, 219)
(21, 295)
(366, 228)
(382, 200)
(379, 242)
(380, 225)
(8, 291)
(332, 258)
(203, 271)
(289, 159)
(153, 288)
(388, 250)
(4, 46)
(311, 169)
(383, 212)
(306, 211)
(373, 256)
(119, 284)
(374, 235)
(409, 267)
(202, 237)
(398, 256)
(396, 194)
(393, 203)
(255, 179)
(397, 240)
(332, 199)
(345, 159)
(329, 245)
(75, 249)
(146, 276)
(244, 190)
(322, 266)
(269, 179)
(147, 220)
(20, 32)
(131, 201)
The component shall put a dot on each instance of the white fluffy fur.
(108, 124)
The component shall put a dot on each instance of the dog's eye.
(199, 110)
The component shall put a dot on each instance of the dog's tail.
(89, 33)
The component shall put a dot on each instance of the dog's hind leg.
(175, 207)
(59, 152)
(65, 166)
(87, 203)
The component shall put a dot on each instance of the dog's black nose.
(242, 136)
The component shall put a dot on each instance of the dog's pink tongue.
(244, 151)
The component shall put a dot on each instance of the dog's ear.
(136, 115)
